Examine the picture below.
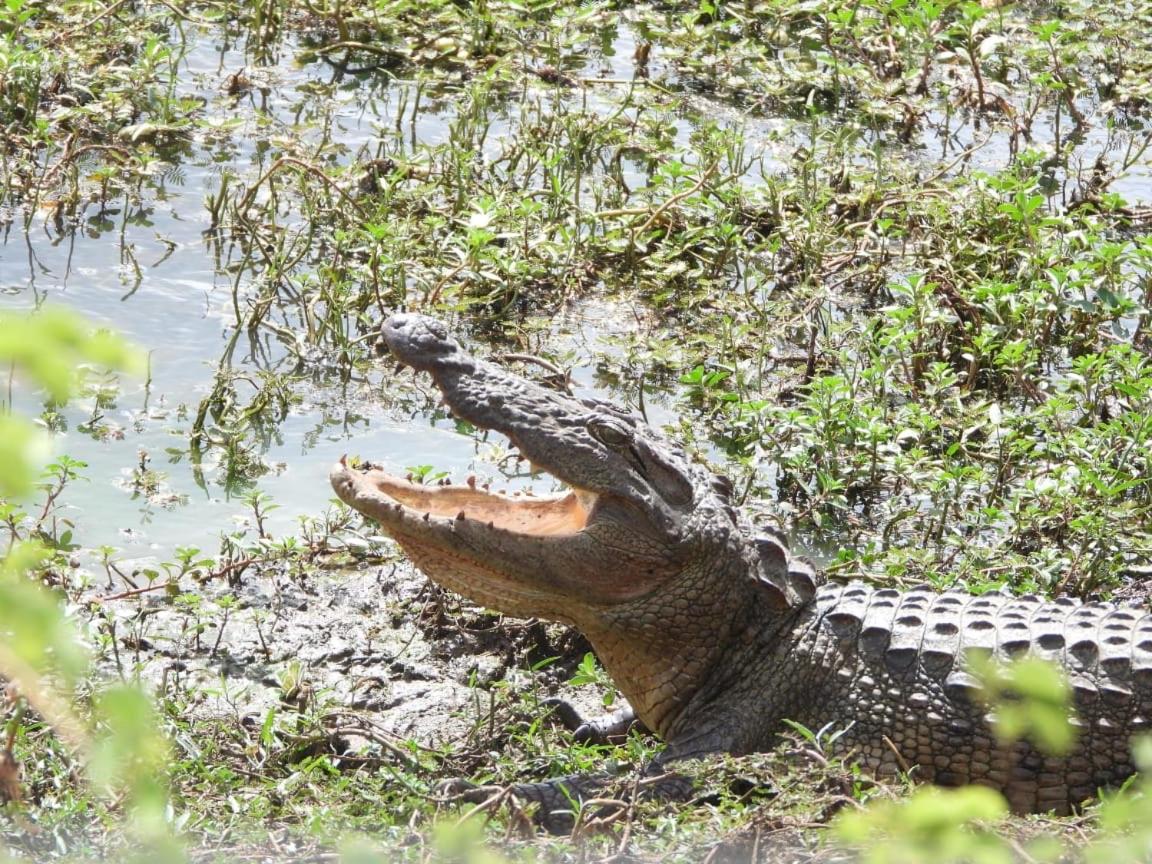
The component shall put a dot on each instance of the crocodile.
(714, 632)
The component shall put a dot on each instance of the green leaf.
(1030, 699)
(32, 623)
(22, 446)
(938, 825)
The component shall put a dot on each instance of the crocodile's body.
(716, 636)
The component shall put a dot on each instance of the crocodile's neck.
(665, 654)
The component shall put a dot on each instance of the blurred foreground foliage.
(111, 730)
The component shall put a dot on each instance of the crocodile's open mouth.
(390, 499)
(610, 536)
(517, 553)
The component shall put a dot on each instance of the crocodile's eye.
(609, 434)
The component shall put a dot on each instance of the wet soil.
(377, 640)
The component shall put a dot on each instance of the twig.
(501, 794)
(434, 295)
(677, 198)
(960, 158)
(135, 592)
(627, 82)
(87, 25)
(532, 358)
(899, 759)
(246, 202)
(366, 47)
(376, 738)
(55, 711)
(51, 173)
(180, 13)
(659, 211)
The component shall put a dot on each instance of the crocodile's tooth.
(427, 516)
(587, 499)
(471, 481)
(460, 516)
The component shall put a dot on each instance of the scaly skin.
(716, 636)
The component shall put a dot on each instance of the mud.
(377, 641)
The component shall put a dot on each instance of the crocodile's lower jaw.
(390, 499)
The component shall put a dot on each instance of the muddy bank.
(375, 640)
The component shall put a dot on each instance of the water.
(146, 270)
(179, 310)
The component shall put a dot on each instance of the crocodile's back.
(900, 663)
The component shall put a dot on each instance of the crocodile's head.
(643, 549)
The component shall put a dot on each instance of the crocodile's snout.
(418, 341)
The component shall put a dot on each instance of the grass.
(887, 262)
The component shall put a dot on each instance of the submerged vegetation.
(887, 264)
